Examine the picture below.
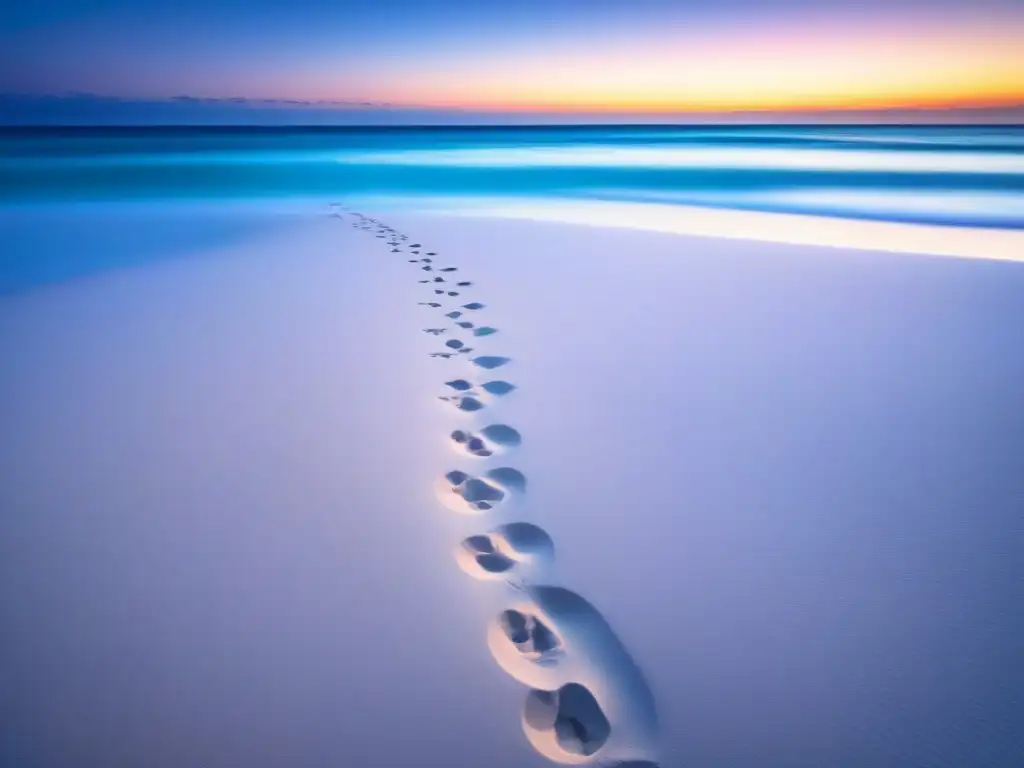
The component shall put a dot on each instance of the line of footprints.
(588, 701)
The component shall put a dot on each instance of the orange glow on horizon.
(667, 106)
(739, 71)
(823, 105)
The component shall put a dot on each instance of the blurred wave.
(951, 175)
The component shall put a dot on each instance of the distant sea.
(950, 175)
(953, 175)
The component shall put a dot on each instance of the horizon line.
(13, 127)
(363, 104)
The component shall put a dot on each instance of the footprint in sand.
(497, 388)
(467, 403)
(531, 637)
(473, 397)
(614, 710)
(491, 440)
(490, 362)
(589, 702)
(566, 722)
(465, 493)
(509, 552)
(458, 346)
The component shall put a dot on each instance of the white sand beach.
(788, 476)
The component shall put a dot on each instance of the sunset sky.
(568, 56)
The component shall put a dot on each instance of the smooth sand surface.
(219, 545)
(787, 477)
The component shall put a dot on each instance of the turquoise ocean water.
(948, 175)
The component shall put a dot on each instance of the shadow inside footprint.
(456, 476)
(489, 362)
(505, 551)
(530, 635)
(464, 324)
(454, 344)
(495, 563)
(473, 305)
(473, 444)
(508, 478)
(502, 435)
(492, 439)
(453, 314)
(570, 717)
(464, 284)
(466, 403)
(498, 388)
(483, 555)
(484, 330)
(479, 544)
(482, 493)
(479, 493)
(460, 385)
